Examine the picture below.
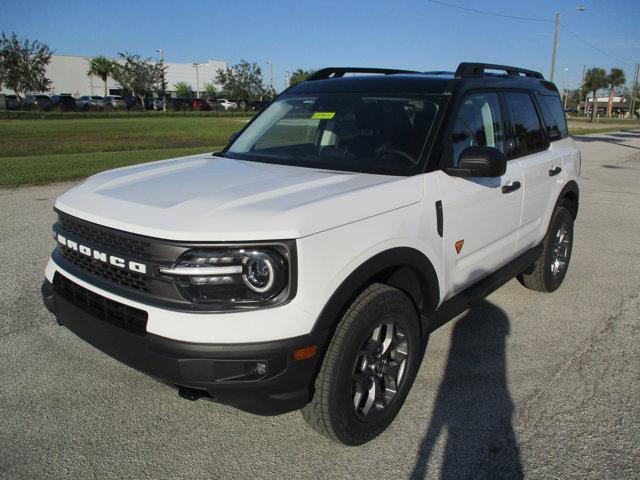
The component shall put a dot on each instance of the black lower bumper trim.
(260, 378)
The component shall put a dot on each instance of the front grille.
(119, 276)
(112, 241)
(116, 313)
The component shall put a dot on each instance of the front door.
(481, 216)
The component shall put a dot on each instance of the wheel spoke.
(371, 396)
(388, 338)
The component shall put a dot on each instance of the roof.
(468, 75)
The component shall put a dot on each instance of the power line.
(530, 19)
(495, 14)
(592, 45)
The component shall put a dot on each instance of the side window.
(550, 124)
(555, 107)
(478, 124)
(525, 124)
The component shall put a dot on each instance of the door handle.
(555, 171)
(512, 187)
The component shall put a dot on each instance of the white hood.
(205, 198)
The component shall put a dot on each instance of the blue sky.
(415, 34)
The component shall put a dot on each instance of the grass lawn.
(43, 151)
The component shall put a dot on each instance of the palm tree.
(101, 67)
(616, 78)
(594, 80)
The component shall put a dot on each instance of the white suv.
(305, 266)
(226, 104)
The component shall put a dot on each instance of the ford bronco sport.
(305, 265)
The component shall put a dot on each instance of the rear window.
(554, 119)
(525, 124)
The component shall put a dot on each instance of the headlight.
(238, 277)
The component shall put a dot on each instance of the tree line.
(23, 69)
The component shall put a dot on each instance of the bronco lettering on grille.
(102, 256)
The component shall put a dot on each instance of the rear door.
(541, 165)
(481, 216)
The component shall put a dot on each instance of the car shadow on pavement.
(604, 139)
(473, 408)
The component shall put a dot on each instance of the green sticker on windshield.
(323, 115)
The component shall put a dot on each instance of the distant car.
(158, 103)
(178, 103)
(12, 102)
(87, 102)
(36, 102)
(65, 103)
(259, 105)
(226, 104)
(116, 102)
(198, 104)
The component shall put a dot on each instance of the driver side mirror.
(480, 162)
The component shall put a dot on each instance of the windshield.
(341, 131)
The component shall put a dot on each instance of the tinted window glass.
(525, 123)
(555, 106)
(478, 124)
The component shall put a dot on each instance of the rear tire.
(548, 272)
(368, 368)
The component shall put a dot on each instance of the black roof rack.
(336, 72)
(466, 70)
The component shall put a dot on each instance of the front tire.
(547, 274)
(368, 368)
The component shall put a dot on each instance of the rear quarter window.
(551, 105)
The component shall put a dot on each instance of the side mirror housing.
(233, 136)
(480, 162)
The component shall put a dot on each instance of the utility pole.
(555, 46)
(164, 83)
(634, 91)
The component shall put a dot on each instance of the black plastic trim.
(439, 218)
(464, 300)
(227, 373)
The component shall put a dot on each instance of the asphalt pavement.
(541, 386)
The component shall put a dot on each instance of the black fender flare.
(404, 268)
(570, 191)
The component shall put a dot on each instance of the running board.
(478, 291)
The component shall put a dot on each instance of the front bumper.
(260, 378)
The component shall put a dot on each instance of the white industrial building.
(68, 74)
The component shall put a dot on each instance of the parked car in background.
(64, 103)
(178, 103)
(12, 102)
(226, 104)
(36, 102)
(158, 103)
(259, 105)
(116, 102)
(198, 104)
(90, 102)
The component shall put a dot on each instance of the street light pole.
(270, 74)
(197, 81)
(580, 8)
(564, 86)
(164, 84)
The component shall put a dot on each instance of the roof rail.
(337, 72)
(466, 69)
